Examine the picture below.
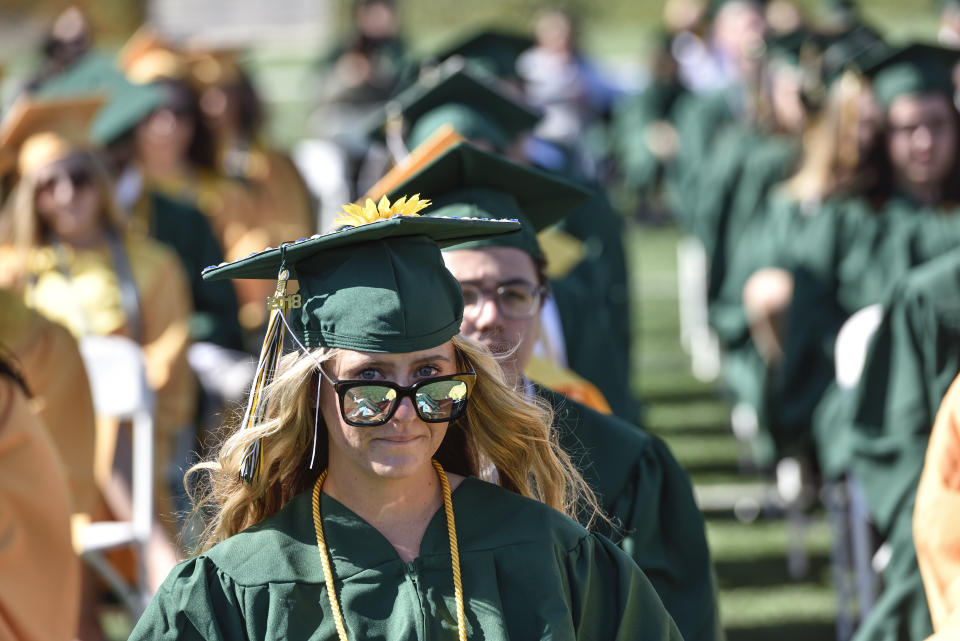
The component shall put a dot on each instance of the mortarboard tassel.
(266, 367)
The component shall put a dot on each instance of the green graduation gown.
(851, 259)
(593, 301)
(186, 230)
(699, 118)
(913, 358)
(641, 169)
(643, 489)
(528, 573)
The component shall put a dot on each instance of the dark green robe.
(767, 163)
(528, 573)
(850, 259)
(188, 233)
(641, 169)
(699, 118)
(593, 300)
(643, 489)
(913, 359)
(765, 242)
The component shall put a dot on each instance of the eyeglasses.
(436, 400)
(79, 177)
(514, 300)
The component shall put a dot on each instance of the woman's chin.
(400, 460)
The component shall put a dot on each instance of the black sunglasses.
(436, 400)
(79, 177)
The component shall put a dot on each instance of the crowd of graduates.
(811, 165)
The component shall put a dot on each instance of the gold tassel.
(266, 367)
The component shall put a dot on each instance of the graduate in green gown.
(721, 95)
(851, 260)
(643, 134)
(913, 358)
(838, 162)
(341, 510)
(639, 484)
(596, 345)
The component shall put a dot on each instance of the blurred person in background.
(949, 33)
(174, 223)
(65, 250)
(559, 79)
(67, 41)
(49, 360)
(838, 165)
(39, 571)
(215, 354)
(235, 116)
(174, 151)
(913, 357)
(355, 79)
(728, 75)
(643, 134)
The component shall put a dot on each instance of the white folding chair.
(118, 380)
(853, 341)
(696, 336)
(856, 580)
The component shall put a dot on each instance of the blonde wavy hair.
(830, 161)
(500, 427)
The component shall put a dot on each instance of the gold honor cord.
(454, 555)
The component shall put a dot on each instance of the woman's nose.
(64, 191)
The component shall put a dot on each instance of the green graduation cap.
(466, 182)
(471, 103)
(379, 286)
(127, 103)
(856, 49)
(787, 47)
(913, 69)
(493, 50)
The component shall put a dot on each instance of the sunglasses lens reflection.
(368, 404)
(441, 400)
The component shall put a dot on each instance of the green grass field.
(758, 599)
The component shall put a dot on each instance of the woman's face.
(67, 201)
(922, 138)
(166, 133)
(404, 444)
(785, 97)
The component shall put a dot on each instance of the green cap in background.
(127, 103)
(856, 49)
(379, 287)
(466, 182)
(492, 50)
(787, 47)
(471, 103)
(913, 70)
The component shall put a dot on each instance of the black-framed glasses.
(436, 400)
(514, 300)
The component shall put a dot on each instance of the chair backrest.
(117, 375)
(853, 342)
(118, 380)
